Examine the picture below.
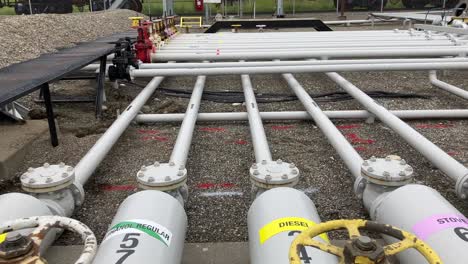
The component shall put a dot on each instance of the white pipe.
(446, 86)
(136, 73)
(184, 139)
(302, 115)
(88, 164)
(259, 139)
(292, 63)
(344, 149)
(303, 46)
(451, 167)
(337, 53)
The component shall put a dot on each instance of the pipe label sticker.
(141, 226)
(426, 227)
(286, 224)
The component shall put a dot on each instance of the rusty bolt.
(15, 246)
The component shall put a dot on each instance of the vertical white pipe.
(259, 140)
(88, 164)
(184, 139)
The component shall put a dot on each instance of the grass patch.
(7, 11)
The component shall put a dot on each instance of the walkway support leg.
(50, 114)
(100, 86)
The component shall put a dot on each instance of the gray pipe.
(136, 73)
(451, 167)
(302, 115)
(259, 139)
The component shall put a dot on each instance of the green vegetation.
(7, 11)
(185, 7)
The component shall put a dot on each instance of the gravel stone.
(221, 153)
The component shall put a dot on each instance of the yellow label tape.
(286, 224)
(3, 237)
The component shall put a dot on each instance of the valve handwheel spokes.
(26, 249)
(359, 248)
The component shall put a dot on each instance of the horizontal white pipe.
(199, 48)
(446, 86)
(302, 115)
(338, 53)
(281, 49)
(292, 63)
(297, 69)
(88, 164)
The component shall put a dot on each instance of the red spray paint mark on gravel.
(156, 138)
(354, 138)
(453, 153)
(283, 127)
(212, 129)
(351, 126)
(148, 131)
(111, 188)
(241, 142)
(210, 185)
(434, 126)
(360, 148)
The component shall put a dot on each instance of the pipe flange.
(167, 176)
(461, 187)
(391, 171)
(269, 174)
(47, 178)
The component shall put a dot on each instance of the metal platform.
(316, 24)
(26, 77)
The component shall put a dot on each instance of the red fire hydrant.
(144, 46)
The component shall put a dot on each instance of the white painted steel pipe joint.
(272, 174)
(55, 185)
(167, 177)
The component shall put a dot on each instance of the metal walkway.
(26, 77)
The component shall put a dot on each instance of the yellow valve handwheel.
(360, 249)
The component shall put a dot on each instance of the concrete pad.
(15, 141)
(194, 253)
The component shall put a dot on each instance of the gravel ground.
(221, 152)
(26, 37)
